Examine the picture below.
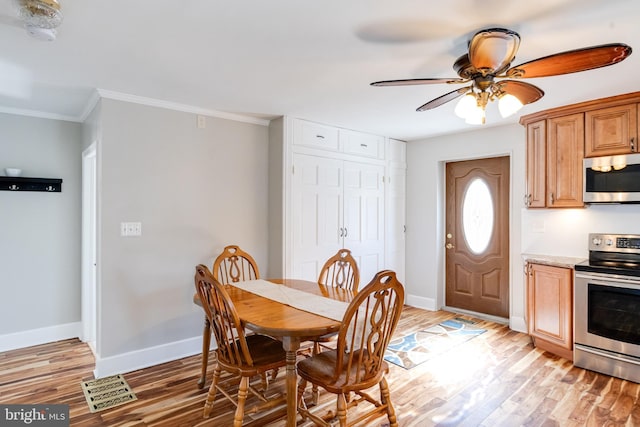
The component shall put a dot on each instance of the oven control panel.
(614, 242)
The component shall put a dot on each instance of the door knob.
(449, 246)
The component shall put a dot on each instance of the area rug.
(107, 392)
(411, 350)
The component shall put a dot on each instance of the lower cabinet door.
(550, 308)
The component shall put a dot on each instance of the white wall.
(425, 210)
(565, 232)
(194, 191)
(39, 233)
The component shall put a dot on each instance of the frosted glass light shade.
(476, 116)
(466, 105)
(508, 105)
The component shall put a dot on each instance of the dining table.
(287, 323)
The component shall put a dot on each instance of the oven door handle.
(609, 354)
(608, 280)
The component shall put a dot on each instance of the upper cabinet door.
(315, 135)
(536, 164)
(611, 131)
(564, 161)
(362, 144)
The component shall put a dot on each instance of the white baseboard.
(134, 360)
(421, 302)
(518, 324)
(39, 336)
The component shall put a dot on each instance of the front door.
(477, 236)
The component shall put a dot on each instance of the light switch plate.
(130, 229)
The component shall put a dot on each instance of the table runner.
(312, 303)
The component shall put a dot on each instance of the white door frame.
(89, 246)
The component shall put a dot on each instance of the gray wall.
(194, 191)
(40, 232)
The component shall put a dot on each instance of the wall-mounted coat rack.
(50, 185)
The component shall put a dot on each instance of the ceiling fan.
(489, 57)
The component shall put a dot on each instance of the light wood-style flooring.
(495, 379)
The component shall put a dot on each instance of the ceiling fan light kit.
(489, 57)
(40, 17)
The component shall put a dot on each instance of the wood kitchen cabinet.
(555, 150)
(565, 151)
(550, 308)
(611, 131)
(536, 164)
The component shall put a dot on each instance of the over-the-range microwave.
(612, 179)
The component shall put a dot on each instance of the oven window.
(614, 313)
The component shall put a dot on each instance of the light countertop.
(555, 260)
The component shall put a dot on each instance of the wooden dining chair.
(234, 265)
(339, 271)
(241, 355)
(357, 363)
(231, 266)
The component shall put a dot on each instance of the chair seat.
(319, 369)
(267, 353)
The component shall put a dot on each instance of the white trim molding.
(518, 324)
(39, 114)
(138, 359)
(421, 302)
(91, 104)
(119, 96)
(39, 336)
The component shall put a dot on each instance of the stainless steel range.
(607, 307)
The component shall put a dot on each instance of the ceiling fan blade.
(571, 61)
(492, 50)
(525, 92)
(410, 82)
(443, 99)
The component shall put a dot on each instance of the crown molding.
(39, 114)
(119, 96)
(91, 104)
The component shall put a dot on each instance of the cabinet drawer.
(362, 144)
(315, 135)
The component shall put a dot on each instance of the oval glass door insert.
(477, 216)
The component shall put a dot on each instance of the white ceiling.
(302, 58)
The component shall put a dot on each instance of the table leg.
(291, 346)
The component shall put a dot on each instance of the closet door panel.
(364, 216)
(317, 194)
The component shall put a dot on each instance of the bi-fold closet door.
(337, 204)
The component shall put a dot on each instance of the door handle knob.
(449, 246)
